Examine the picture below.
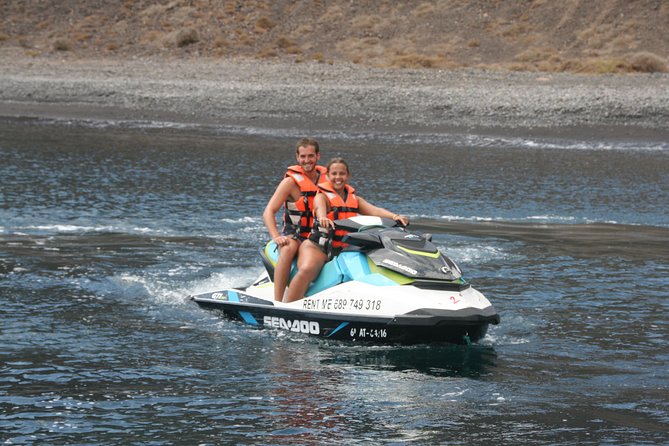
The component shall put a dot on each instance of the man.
(337, 200)
(296, 194)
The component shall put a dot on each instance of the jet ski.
(389, 285)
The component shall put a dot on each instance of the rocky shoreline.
(313, 97)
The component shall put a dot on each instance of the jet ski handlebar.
(361, 233)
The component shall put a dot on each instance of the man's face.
(307, 157)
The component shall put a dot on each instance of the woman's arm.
(366, 208)
(321, 209)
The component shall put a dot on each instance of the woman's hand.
(403, 219)
(326, 223)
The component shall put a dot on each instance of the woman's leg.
(310, 261)
(282, 269)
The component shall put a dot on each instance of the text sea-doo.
(388, 286)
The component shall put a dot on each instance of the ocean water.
(106, 228)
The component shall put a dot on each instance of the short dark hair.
(304, 142)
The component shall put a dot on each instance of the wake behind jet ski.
(389, 285)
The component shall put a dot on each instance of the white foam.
(474, 253)
(97, 229)
(69, 228)
(169, 290)
(550, 217)
(547, 218)
(491, 339)
(245, 219)
(406, 138)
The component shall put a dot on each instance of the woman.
(335, 200)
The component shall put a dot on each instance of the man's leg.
(310, 261)
(282, 269)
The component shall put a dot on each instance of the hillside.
(593, 36)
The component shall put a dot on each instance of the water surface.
(104, 231)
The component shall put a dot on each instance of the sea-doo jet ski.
(389, 285)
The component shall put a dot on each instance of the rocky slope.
(594, 36)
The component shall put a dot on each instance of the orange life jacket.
(339, 209)
(299, 214)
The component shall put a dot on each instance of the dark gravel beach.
(342, 97)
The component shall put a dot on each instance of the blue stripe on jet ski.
(248, 317)
(342, 325)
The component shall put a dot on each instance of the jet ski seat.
(347, 266)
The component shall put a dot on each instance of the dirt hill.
(595, 36)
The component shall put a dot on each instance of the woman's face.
(338, 175)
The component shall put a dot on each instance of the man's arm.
(281, 194)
